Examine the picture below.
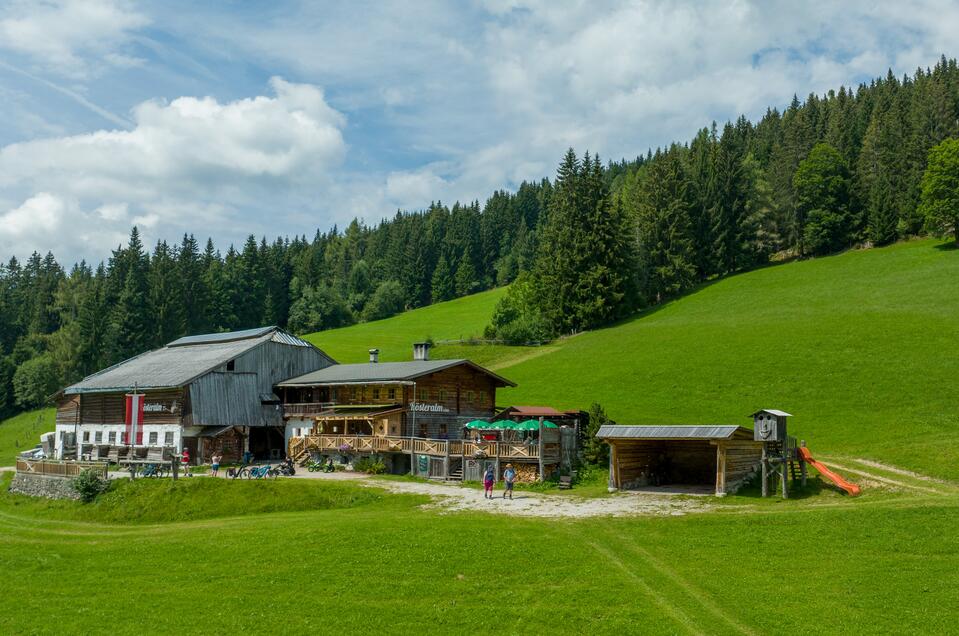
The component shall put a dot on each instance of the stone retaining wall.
(48, 486)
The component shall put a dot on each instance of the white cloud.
(65, 36)
(189, 165)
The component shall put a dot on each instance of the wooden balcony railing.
(306, 409)
(420, 446)
(59, 468)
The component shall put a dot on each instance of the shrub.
(90, 484)
(370, 465)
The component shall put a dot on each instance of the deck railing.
(306, 409)
(419, 446)
(58, 468)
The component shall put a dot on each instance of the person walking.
(509, 476)
(489, 478)
(185, 462)
(215, 464)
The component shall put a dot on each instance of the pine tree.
(465, 282)
(442, 287)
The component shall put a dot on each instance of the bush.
(90, 484)
(370, 465)
(387, 300)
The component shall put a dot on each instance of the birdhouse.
(769, 425)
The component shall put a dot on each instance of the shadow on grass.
(949, 246)
(814, 488)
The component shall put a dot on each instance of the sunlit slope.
(861, 347)
(458, 319)
(22, 432)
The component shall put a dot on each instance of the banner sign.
(134, 418)
(419, 407)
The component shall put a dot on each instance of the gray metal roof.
(176, 364)
(381, 372)
(717, 431)
(772, 412)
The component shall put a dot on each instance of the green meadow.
(859, 346)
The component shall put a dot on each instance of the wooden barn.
(696, 458)
(205, 393)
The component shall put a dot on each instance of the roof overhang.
(672, 432)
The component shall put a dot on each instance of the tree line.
(853, 167)
(588, 247)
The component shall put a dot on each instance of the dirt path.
(454, 498)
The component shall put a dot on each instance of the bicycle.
(155, 470)
(260, 472)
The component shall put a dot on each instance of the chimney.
(374, 356)
(421, 351)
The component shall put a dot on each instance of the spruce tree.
(442, 287)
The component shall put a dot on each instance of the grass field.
(883, 563)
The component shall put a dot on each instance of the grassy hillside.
(22, 432)
(859, 346)
(454, 320)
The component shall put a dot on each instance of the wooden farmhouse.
(412, 414)
(203, 393)
(696, 458)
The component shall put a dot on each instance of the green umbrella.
(533, 425)
(478, 424)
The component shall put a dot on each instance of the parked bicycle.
(262, 472)
(155, 470)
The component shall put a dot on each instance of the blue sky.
(283, 117)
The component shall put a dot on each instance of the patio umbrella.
(533, 425)
(478, 424)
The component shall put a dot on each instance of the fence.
(58, 469)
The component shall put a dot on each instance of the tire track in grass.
(702, 597)
(674, 612)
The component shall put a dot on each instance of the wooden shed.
(718, 456)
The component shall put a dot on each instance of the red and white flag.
(134, 418)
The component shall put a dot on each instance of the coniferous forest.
(858, 166)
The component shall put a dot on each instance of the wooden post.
(785, 467)
(542, 446)
(175, 466)
(446, 462)
(802, 465)
(720, 469)
(614, 466)
(765, 471)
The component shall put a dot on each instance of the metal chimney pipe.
(421, 351)
(374, 356)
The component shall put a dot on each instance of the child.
(488, 480)
(215, 463)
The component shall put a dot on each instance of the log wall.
(646, 462)
(110, 408)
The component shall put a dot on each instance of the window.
(153, 438)
(376, 393)
(483, 397)
(86, 436)
(422, 429)
(168, 438)
(231, 365)
(333, 393)
(123, 437)
(353, 393)
(443, 431)
(391, 393)
(98, 437)
(470, 396)
(442, 395)
(112, 437)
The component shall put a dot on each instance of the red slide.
(852, 489)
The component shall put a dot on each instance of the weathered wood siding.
(230, 398)
(110, 408)
(68, 409)
(742, 458)
(274, 362)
